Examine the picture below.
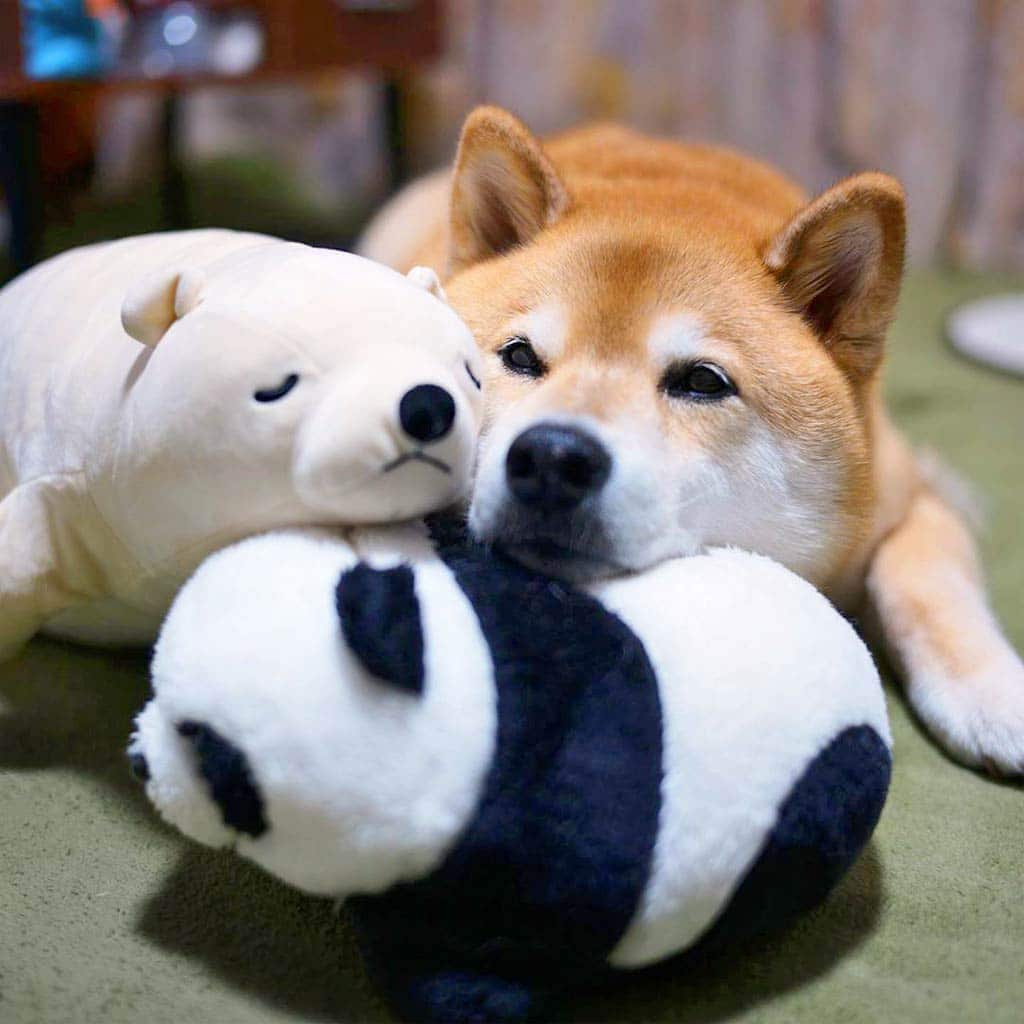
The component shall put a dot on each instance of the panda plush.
(517, 785)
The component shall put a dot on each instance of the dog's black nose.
(426, 412)
(553, 467)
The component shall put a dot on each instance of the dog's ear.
(839, 262)
(504, 190)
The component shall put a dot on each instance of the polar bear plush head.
(286, 385)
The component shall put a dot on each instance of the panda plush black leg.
(431, 974)
(822, 826)
(465, 997)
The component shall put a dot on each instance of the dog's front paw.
(978, 718)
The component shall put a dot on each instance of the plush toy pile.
(517, 784)
(520, 784)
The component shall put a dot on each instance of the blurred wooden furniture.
(302, 37)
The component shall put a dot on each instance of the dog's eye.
(518, 355)
(282, 389)
(702, 382)
(473, 377)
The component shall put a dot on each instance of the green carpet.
(107, 916)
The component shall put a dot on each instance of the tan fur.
(618, 232)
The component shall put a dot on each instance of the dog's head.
(667, 373)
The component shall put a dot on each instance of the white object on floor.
(991, 331)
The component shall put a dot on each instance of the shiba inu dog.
(683, 351)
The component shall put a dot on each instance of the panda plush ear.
(157, 301)
(427, 279)
(380, 619)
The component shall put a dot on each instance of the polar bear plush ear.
(157, 301)
(427, 279)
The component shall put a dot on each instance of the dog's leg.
(962, 676)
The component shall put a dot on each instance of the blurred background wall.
(930, 90)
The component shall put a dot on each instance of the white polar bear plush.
(164, 396)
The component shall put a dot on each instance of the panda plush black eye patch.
(228, 775)
(265, 395)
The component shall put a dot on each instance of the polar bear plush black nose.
(426, 412)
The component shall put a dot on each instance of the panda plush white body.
(517, 783)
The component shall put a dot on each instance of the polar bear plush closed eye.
(163, 396)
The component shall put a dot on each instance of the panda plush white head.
(517, 784)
